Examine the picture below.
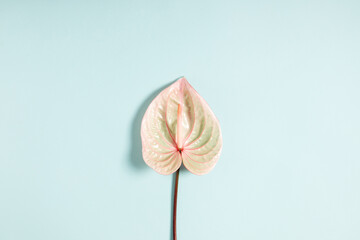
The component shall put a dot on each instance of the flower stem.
(175, 203)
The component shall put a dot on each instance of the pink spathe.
(179, 127)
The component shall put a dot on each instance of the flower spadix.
(179, 127)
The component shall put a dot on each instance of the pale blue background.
(281, 76)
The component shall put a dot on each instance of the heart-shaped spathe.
(179, 127)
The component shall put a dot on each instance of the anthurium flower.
(180, 128)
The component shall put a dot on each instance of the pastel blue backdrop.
(281, 76)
